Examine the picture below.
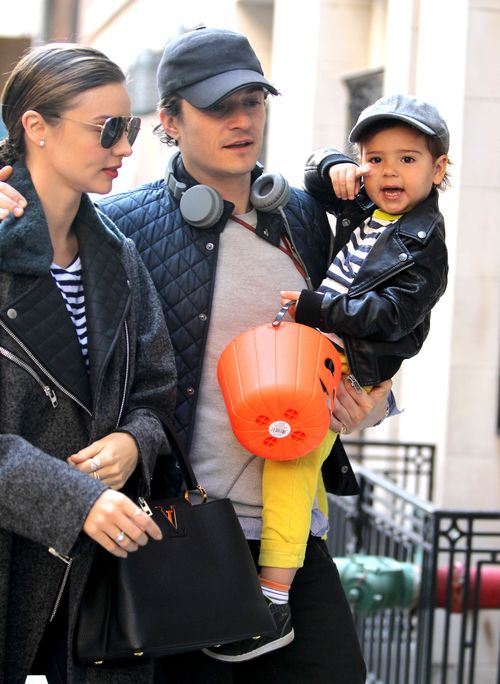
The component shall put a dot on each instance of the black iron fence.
(424, 584)
(409, 465)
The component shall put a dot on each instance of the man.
(218, 266)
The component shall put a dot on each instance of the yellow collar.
(383, 216)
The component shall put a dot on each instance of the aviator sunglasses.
(113, 129)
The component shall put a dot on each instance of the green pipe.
(374, 583)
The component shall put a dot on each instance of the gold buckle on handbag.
(201, 491)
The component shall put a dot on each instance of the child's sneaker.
(238, 651)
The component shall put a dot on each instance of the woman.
(86, 364)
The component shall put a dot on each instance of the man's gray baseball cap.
(207, 65)
(408, 109)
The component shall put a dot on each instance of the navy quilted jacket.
(182, 261)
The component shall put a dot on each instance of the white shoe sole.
(265, 648)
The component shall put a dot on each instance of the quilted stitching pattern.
(182, 268)
(43, 324)
(106, 295)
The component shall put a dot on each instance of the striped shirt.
(348, 261)
(69, 281)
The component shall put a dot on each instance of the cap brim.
(209, 92)
(361, 126)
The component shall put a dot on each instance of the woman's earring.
(42, 143)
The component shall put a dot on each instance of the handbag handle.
(179, 452)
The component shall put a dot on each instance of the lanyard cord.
(287, 249)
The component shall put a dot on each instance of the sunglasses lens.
(112, 131)
(115, 127)
(134, 127)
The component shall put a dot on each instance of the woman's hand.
(112, 459)
(346, 179)
(355, 409)
(118, 525)
(10, 199)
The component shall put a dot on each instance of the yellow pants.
(289, 489)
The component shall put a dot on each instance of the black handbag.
(195, 588)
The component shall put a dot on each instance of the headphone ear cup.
(269, 191)
(201, 206)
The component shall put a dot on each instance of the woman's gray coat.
(50, 407)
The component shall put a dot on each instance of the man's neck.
(240, 199)
(234, 189)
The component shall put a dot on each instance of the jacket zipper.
(48, 390)
(110, 350)
(51, 394)
(68, 561)
(127, 366)
(44, 370)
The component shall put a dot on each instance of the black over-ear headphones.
(201, 206)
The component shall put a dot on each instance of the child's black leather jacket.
(385, 315)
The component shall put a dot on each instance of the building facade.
(329, 58)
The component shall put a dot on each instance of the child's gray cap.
(408, 109)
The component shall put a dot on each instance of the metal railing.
(451, 635)
(408, 464)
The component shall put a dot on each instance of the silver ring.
(95, 474)
(95, 463)
(343, 429)
(120, 537)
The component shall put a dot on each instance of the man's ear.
(34, 126)
(169, 123)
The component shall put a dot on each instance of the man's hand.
(11, 201)
(346, 179)
(355, 409)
